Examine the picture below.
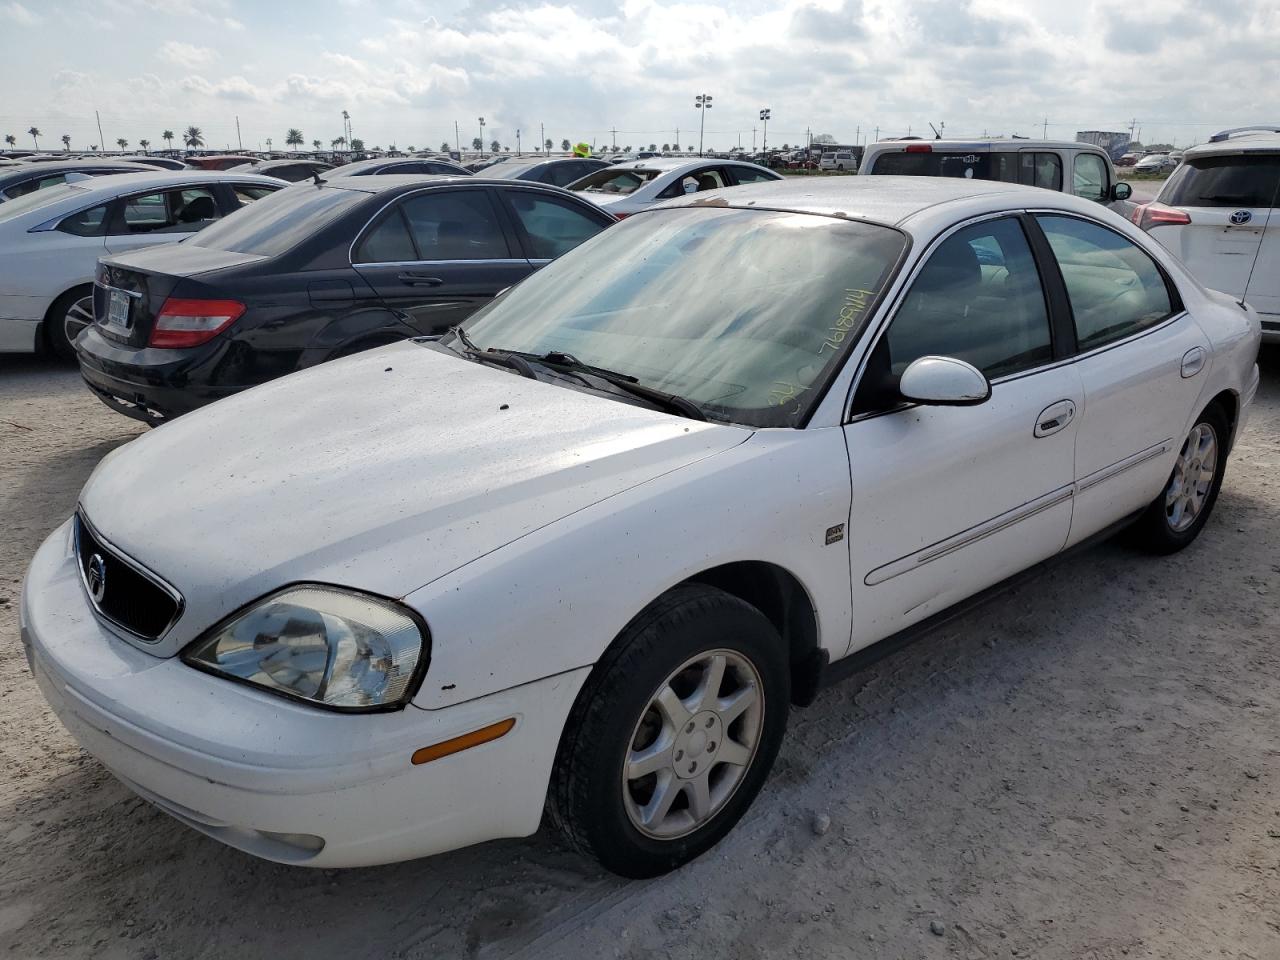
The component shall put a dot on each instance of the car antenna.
(316, 174)
(1275, 194)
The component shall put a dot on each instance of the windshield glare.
(612, 180)
(744, 312)
(276, 223)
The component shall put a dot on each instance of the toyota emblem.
(96, 575)
(1241, 217)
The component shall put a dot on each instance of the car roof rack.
(1227, 134)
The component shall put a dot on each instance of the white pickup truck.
(1080, 169)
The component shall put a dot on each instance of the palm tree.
(495, 146)
(565, 145)
(66, 142)
(666, 147)
(34, 133)
(145, 145)
(11, 140)
(315, 144)
(268, 143)
(444, 146)
(357, 145)
(294, 138)
(167, 137)
(193, 137)
(122, 143)
(93, 147)
(477, 144)
(548, 145)
(653, 147)
(338, 142)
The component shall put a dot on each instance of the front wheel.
(674, 733)
(1181, 510)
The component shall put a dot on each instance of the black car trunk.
(128, 298)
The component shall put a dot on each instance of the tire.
(1179, 513)
(70, 313)
(669, 649)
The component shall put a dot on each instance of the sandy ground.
(1086, 768)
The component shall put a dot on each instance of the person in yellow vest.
(582, 150)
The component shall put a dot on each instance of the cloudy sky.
(406, 70)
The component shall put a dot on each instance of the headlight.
(337, 648)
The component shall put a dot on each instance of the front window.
(1091, 177)
(747, 313)
(168, 211)
(613, 181)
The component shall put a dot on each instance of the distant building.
(1116, 144)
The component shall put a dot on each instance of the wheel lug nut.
(679, 754)
(693, 765)
(710, 721)
(689, 728)
(711, 745)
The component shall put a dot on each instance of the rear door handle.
(1055, 417)
(419, 280)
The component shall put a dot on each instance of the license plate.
(118, 311)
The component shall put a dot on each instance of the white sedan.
(50, 242)
(587, 552)
(627, 188)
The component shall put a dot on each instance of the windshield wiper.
(498, 358)
(672, 402)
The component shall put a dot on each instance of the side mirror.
(944, 382)
(1121, 191)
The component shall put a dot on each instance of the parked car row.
(585, 551)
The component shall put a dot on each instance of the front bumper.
(278, 779)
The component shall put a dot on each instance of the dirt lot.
(1086, 768)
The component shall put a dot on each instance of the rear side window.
(563, 174)
(388, 242)
(167, 211)
(31, 186)
(1090, 177)
(552, 226)
(455, 225)
(974, 166)
(979, 299)
(1241, 180)
(613, 181)
(1115, 288)
(246, 195)
(86, 223)
(746, 175)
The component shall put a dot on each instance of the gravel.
(1019, 789)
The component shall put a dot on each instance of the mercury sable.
(586, 551)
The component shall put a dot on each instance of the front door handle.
(419, 280)
(1055, 417)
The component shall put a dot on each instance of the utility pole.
(613, 137)
(517, 141)
(877, 133)
(457, 139)
(753, 139)
(482, 136)
(239, 142)
(702, 102)
(677, 139)
(857, 135)
(1045, 135)
(101, 139)
(542, 144)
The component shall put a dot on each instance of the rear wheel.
(1179, 513)
(674, 733)
(70, 314)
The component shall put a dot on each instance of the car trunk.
(127, 296)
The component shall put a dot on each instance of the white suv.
(1215, 213)
(839, 160)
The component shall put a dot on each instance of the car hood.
(382, 472)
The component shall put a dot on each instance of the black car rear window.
(1239, 180)
(277, 223)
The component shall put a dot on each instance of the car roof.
(1252, 141)
(396, 181)
(57, 166)
(1018, 144)
(889, 200)
(98, 189)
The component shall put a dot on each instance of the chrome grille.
(122, 591)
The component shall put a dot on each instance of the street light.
(346, 128)
(765, 114)
(482, 136)
(702, 102)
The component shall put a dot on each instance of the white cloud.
(19, 14)
(232, 88)
(186, 54)
(231, 23)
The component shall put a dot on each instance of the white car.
(1156, 163)
(1219, 213)
(586, 552)
(840, 161)
(627, 188)
(50, 242)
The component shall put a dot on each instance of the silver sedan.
(627, 188)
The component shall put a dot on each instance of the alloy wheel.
(79, 315)
(693, 744)
(1192, 478)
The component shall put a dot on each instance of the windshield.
(38, 198)
(613, 180)
(275, 223)
(744, 312)
(1239, 180)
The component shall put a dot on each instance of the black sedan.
(558, 172)
(384, 166)
(291, 170)
(311, 273)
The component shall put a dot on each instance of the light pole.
(482, 136)
(702, 102)
(764, 133)
(346, 127)
(517, 141)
